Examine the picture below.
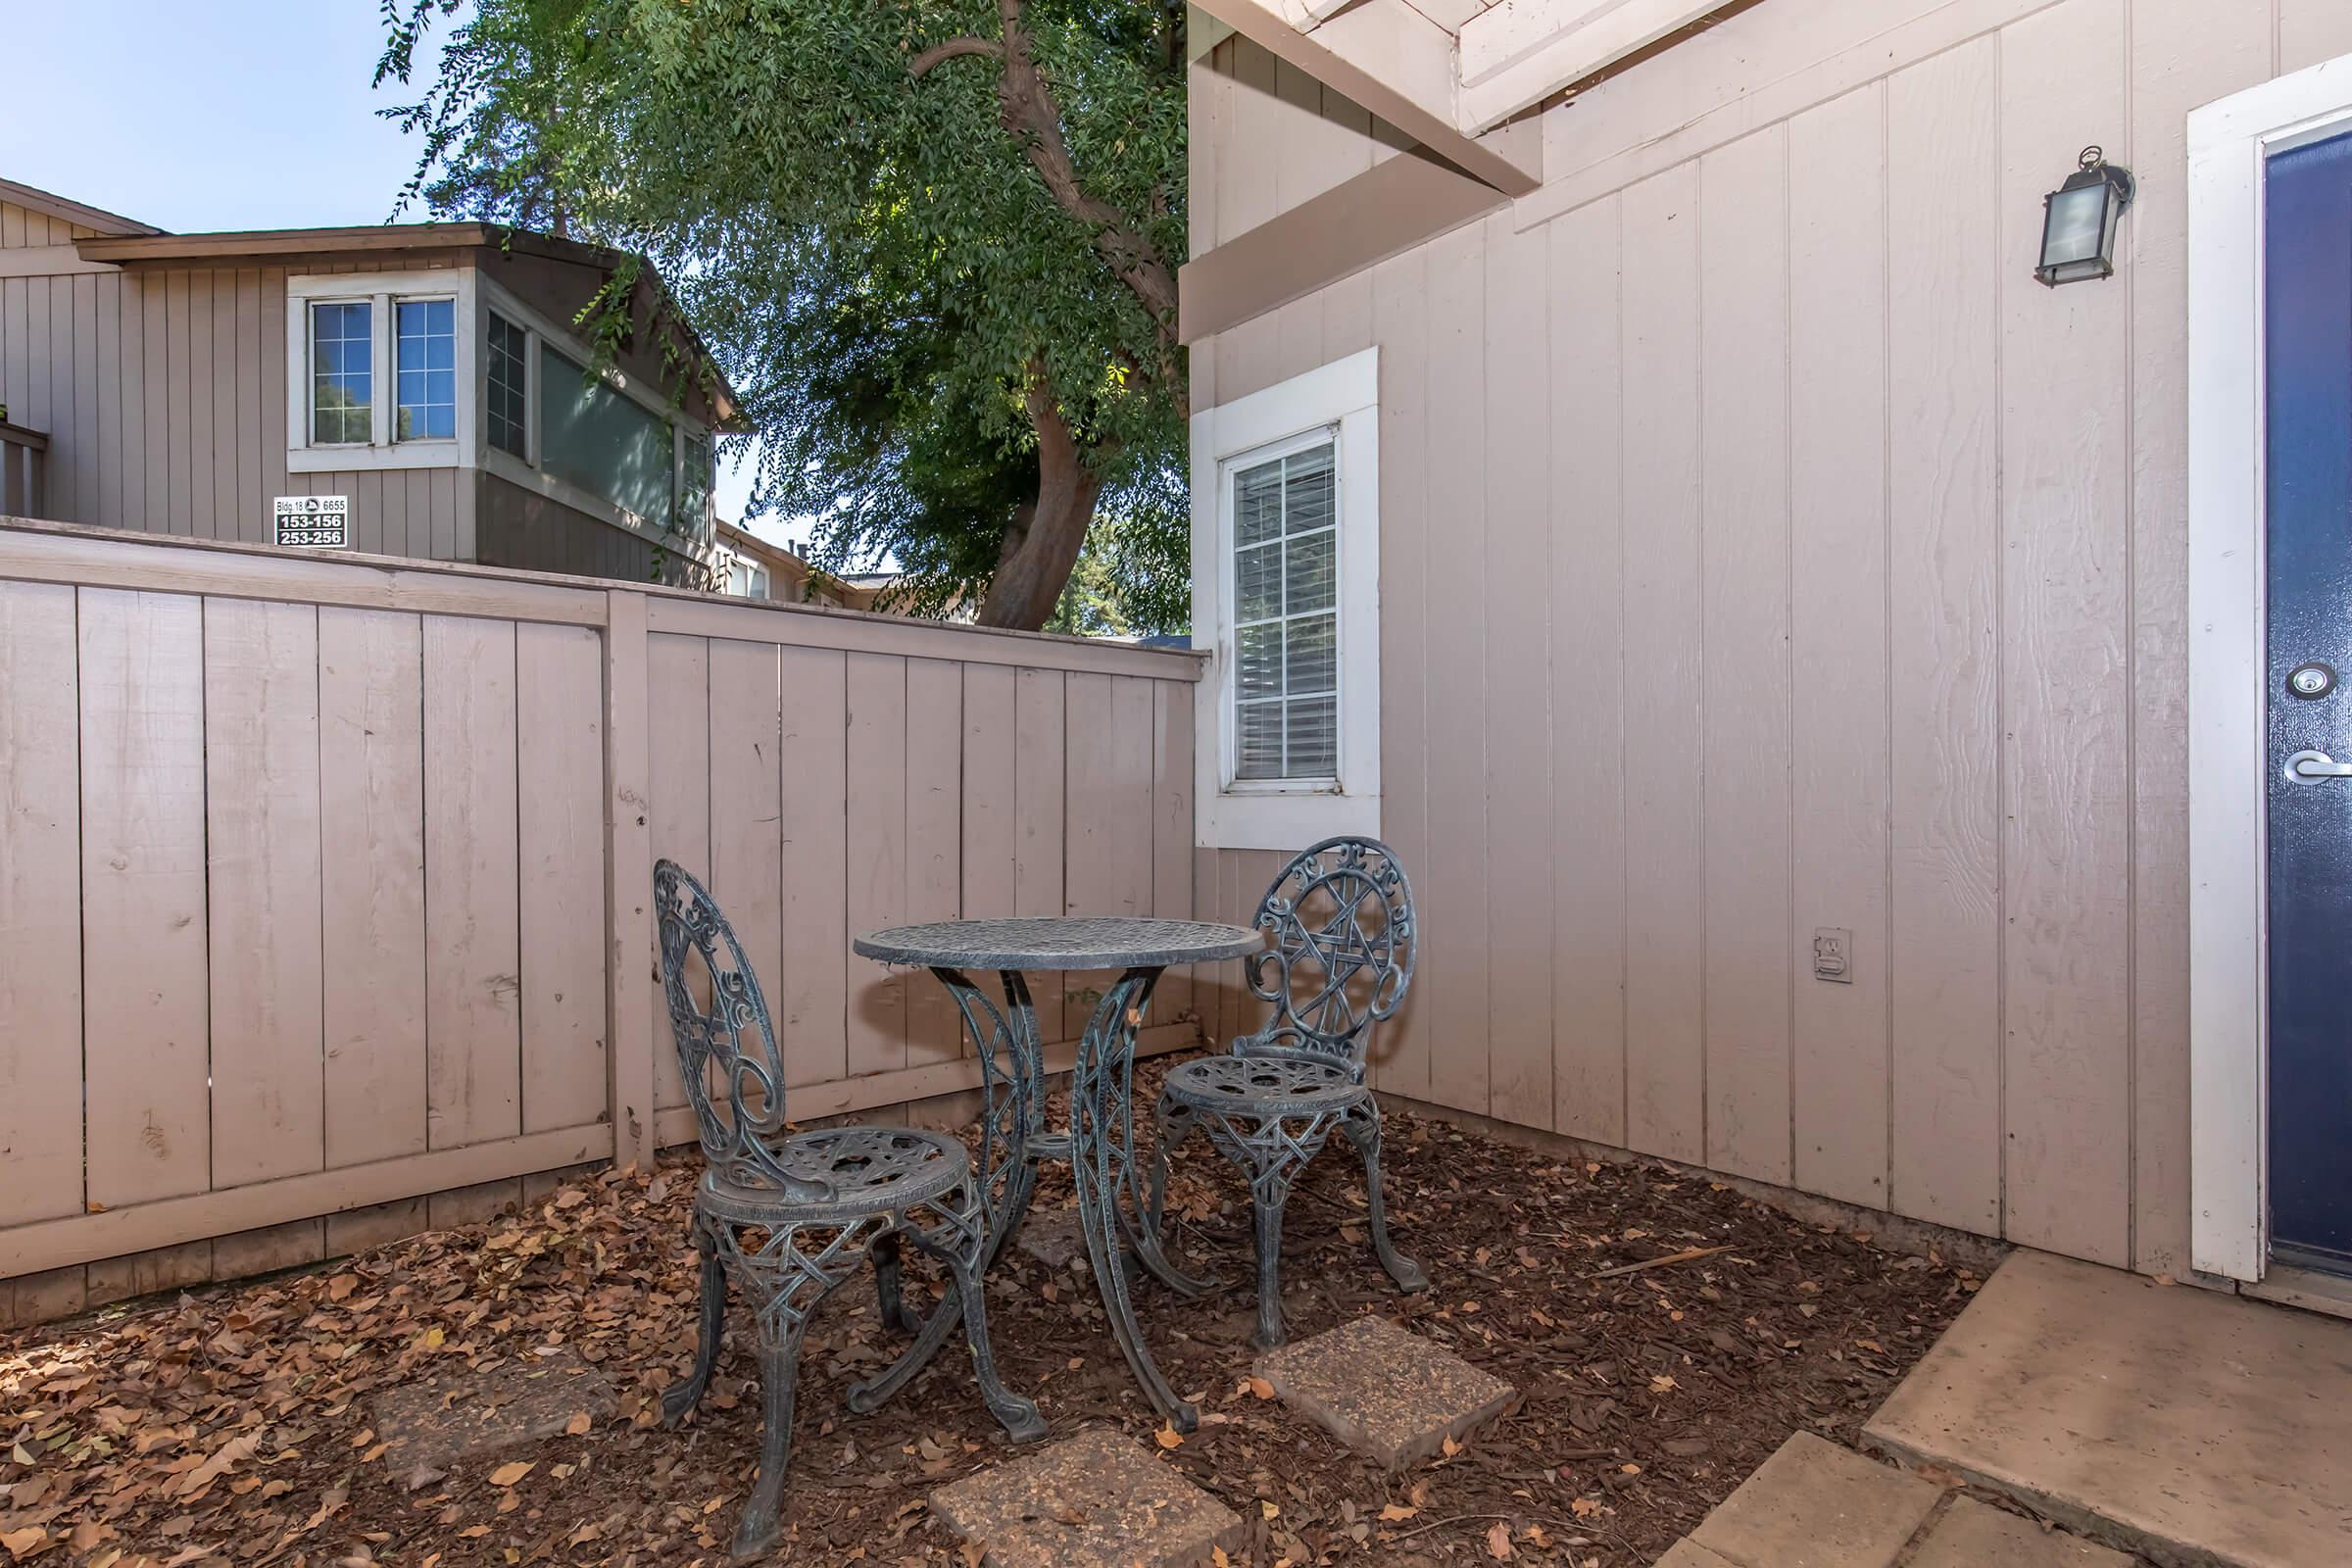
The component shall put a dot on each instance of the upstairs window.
(600, 440)
(426, 362)
(342, 378)
(508, 409)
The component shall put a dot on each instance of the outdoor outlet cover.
(1834, 955)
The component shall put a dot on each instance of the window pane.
(699, 474)
(1313, 749)
(1260, 660)
(1314, 655)
(1258, 732)
(1256, 505)
(1312, 580)
(605, 443)
(1308, 490)
(1258, 583)
(342, 347)
(426, 384)
(507, 387)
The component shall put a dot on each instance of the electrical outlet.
(1834, 955)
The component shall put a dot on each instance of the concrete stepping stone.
(1973, 1535)
(1814, 1505)
(1689, 1554)
(1096, 1500)
(437, 1424)
(1390, 1395)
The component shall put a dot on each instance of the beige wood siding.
(164, 397)
(1764, 550)
(346, 825)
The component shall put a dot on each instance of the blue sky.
(255, 114)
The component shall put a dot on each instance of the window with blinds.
(1286, 542)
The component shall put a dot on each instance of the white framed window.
(1286, 594)
(380, 371)
(506, 386)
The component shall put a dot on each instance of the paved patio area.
(2190, 1426)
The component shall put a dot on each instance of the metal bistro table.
(1099, 1141)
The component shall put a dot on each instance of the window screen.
(1285, 616)
(426, 351)
(593, 437)
(509, 388)
(342, 363)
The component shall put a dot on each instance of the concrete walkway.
(1814, 1505)
(2193, 1428)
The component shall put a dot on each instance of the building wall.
(529, 531)
(164, 397)
(1764, 550)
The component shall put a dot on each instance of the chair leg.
(1362, 1129)
(780, 1372)
(682, 1396)
(883, 1253)
(1271, 1193)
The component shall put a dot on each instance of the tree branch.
(939, 53)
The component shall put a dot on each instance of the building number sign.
(312, 522)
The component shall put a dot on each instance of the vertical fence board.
(877, 854)
(1091, 876)
(260, 706)
(40, 928)
(1665, 899)
(372, 821)
(142, 876)
(747, 846)
(1837, 516)
(934, 840)
(679, 767)
(1942, 265)
(1587, 617)
(560, 751)
(474, 1085)
(1040, 808)
(1743, 577)
(814, 1010)
(990, 837)
(1172, 829)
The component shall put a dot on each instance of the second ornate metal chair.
(1340, 957)
(788, 1217)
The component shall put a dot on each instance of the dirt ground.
(234, 1424)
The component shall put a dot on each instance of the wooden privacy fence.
(325, 882)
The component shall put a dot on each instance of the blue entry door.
(2308, 269)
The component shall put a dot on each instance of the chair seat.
(1261, 1084)
(871, 1170)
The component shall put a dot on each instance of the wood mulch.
(233, 1424)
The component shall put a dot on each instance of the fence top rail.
(37, 551)
(17, 435)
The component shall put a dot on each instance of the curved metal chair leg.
(883, 1253)
(1016, 1413)
(780, 1372)
(1362, 1129)
(1268, 1204)
(1147, 1240)
(682, 1396)
(865, 1397)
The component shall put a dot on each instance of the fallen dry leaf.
(1169, 1438)
(506, 1474)
(1395, 1511)
(1498, 1542)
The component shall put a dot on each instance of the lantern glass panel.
(2076, 229)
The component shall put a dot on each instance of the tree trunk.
(1042, 546)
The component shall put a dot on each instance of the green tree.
(933, 244)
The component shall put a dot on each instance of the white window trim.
(2229, 144)
(1342, 398)
(381, 290)
(528, 473)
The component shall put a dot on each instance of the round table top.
(1059, 941)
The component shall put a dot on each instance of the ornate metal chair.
(789, 1216)
(1341, 958)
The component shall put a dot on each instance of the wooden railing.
(325, 881)
(23, 471)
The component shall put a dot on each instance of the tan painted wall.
(304, 872)
(1763, 550)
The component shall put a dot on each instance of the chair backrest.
(728, 1040)
(1341, 958)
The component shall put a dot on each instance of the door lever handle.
(2316, 765)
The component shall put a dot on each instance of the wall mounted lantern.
(2077, 221)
